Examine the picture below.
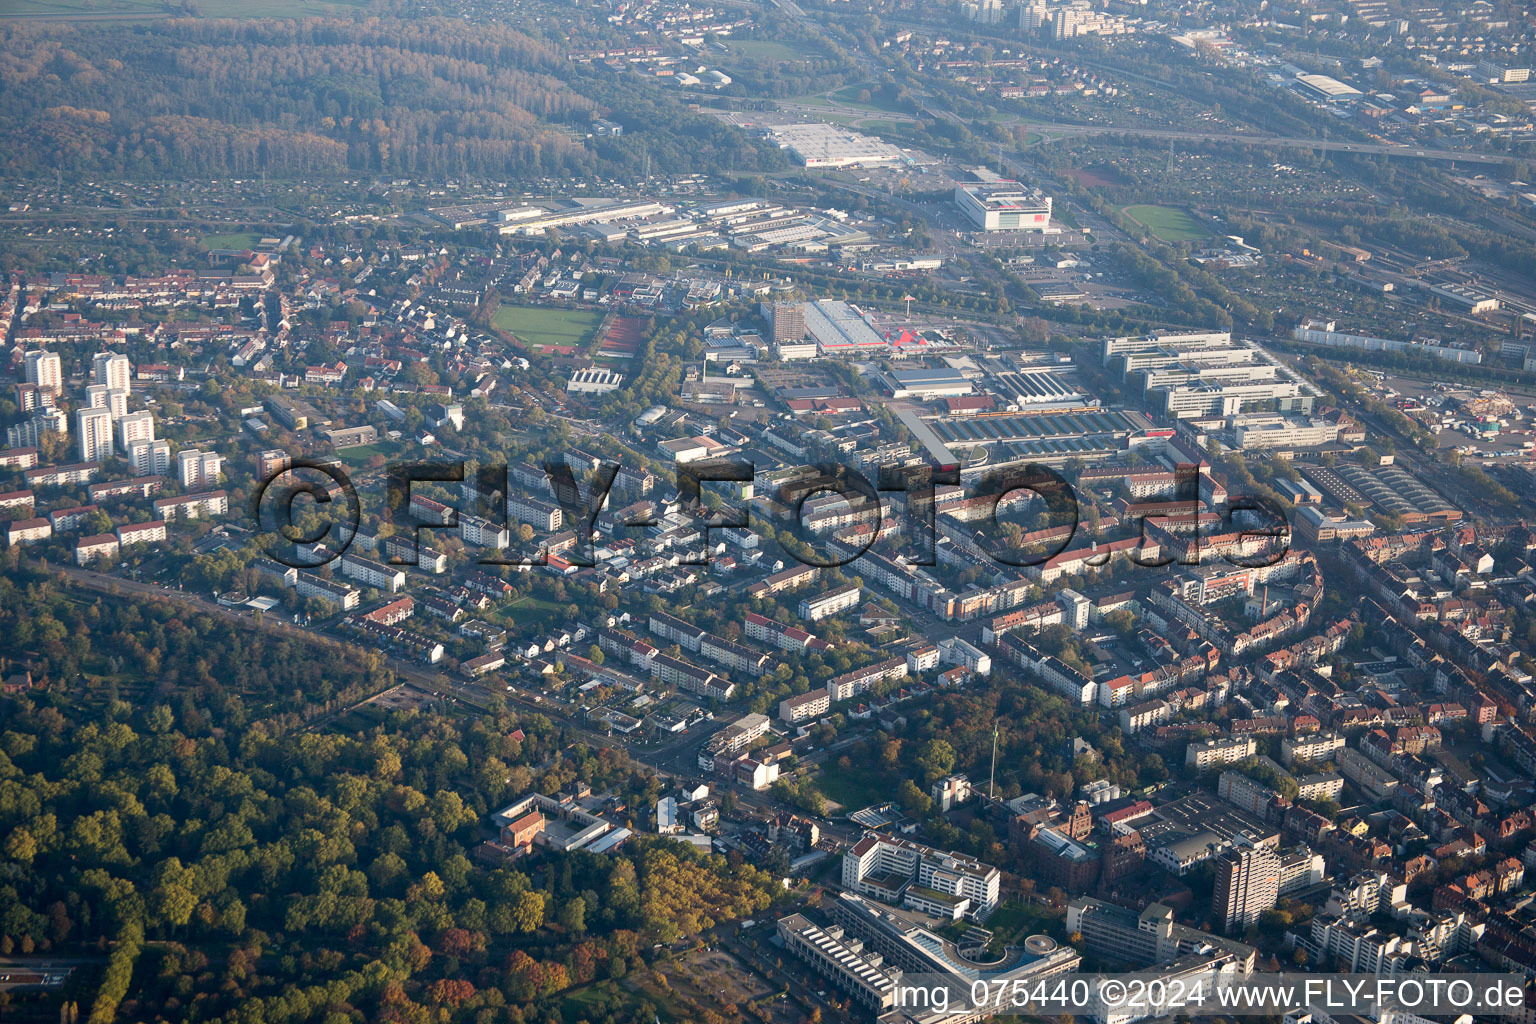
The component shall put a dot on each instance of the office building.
(1189, 376)
(896, 870)
(1122, 936)
(1247, 884)
(861, 975)
(93, 428)
(43, 369)
(196, 468)
(1263, 430)
(1181, 975)
(1502, 74)
(112, 370)
(906, 946)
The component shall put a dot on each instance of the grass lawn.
(596, 1000)
(542, 327)
(854, 789)
(238, 240)
(850, 94)
(1012, 922)
(528, 610)
(1167, 223)
(358, 454)
(765, 49)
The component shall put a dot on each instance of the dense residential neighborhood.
(526, 512)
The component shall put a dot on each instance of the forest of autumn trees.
(421, 97)
(220, 861)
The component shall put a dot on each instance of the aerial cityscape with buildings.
(517, 512)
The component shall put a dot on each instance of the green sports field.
(539, 327)
(1167, 222)
(764, 49)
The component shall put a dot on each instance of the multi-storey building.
(885, 867)
(685, 634)
(89, 549)
(735, 656)
(687, 676)
(133, 428)
(113, 371)
(483, 532)
(150, 458)
(1213, 753)
(805, 706)
(1247, 884)
(541, 515)
(151, 532)
(862, 975)
(372, 574)
(310, 585)
(28, 531)
(193, 506)
(196, 468)
(93, 430)
(43, 369)
(1123, 936)
(1313, 748)
(831, 603)
(783, 636)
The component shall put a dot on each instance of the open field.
(848, 97)
(853, 790)
(358, 454)
(237, 240)
(1167, 223)
(563, 331)
(764, 49)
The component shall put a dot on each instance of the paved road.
(1288, 142)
